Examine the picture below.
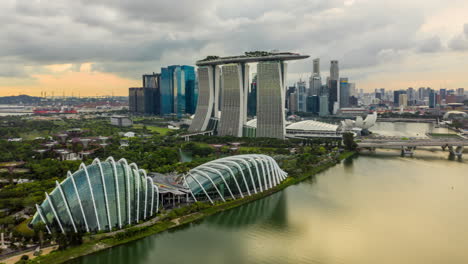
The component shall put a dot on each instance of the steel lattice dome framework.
(101, 196)
(107, 195)
(233, 177)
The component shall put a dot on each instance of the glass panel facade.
(250, 172)
(123, 192)
(128, 181)
(134, 188)
(72, 201)
(98, 191)
(82, 185)
(109, 180)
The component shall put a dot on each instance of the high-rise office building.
(352, 89)
(191, 89)
(403, 99)
(432, 99)
(442, 93)
(166, 90)
(145, 100)
(178, 90)
(323, 105)
(344, 93)
(135, 100)
(151, 80)
(252, 98)
(316, 68)
(293, 105)
(333, 89)
(315, 80)
(313, 104)
(301, 96)
(289, 91)
(396, 97)
(461, 92)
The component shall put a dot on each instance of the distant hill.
(20, 99)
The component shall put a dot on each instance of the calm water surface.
(375, 208)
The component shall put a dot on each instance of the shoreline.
(94, 245)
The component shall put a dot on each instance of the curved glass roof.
(100, 196)
(110, 195)
(234, 177)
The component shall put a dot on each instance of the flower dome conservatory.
(110, 195)
(233, 177)
(101, 196)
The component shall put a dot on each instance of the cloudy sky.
(101, 47)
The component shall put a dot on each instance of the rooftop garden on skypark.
(256, 53)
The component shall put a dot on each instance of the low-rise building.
(122, 121)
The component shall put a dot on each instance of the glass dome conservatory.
(101, 196)
(110, 195)
(233, 177)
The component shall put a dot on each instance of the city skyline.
(70, 50)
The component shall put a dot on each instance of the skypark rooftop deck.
(251, 57)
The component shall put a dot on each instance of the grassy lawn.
(24, 229)
(32, 135)
(161, 130)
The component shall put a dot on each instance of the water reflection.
(262, 211)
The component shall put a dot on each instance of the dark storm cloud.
(129, 37)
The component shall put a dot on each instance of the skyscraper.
(145, 100)
(233, 116)
(323, 105)
(208, 84)
(316, 68)
(313, 104)
(403, 99)
(270, 99)
(301, 96)
(270, 91)
(333, 89)
(191, 91)
(166, 90)
(432, 99)
(252, 98)
(315, 81)
(344, 93)
(178, 94)
(396, 97)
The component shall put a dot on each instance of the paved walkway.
(14, 259)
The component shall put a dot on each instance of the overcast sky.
(97, 47)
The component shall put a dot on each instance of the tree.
(348, 141)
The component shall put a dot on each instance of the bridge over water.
(408, 145)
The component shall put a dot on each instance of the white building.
(122, 121)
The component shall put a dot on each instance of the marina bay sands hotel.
(229, 76)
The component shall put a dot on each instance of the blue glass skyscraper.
(178, 93)
(191, 94)
(167, 99)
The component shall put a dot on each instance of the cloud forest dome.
(234, 177)
(101, 196)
